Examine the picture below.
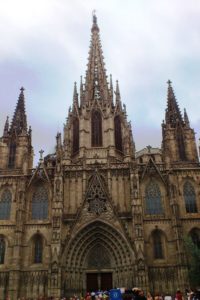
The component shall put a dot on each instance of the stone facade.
(96, 214)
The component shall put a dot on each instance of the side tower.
(178, 142)
(15, 147)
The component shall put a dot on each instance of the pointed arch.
(2, 249)
(5, 204)
(40, 203)
(75, 146)
(37, 249)
(195, 236)
(153, 199)
(12, 155)
(158, 247)
(96, 124)
(189, 197)
(118, 133)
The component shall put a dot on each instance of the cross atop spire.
(94, 19)
(19, 121)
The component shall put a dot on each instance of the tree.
(193, 255)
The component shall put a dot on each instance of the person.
(179, 295)
(168, 296)
(149, 297)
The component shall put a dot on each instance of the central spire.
(96, 85)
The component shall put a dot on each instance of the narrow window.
(190, 198)
(195, 235)
(12, 154)
(75, 135)
(157, 245)
(40, 203)
(2, 250)
(118, 133)
(5, 205)
(38, 249)
(96, 129)
(153, 200)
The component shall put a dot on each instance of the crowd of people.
(134, 294)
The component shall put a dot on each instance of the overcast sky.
(44, 47)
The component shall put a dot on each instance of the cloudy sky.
(44, 47)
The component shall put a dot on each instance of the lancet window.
(40, 203)
(38, 249)
(190, 197)
(2, 249)
(153, 199)
(195, 235)
(12, 154)
(96, 129)
(5, 205)
(75, 135)
(118, 133)
(158, 245)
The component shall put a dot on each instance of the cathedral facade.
(96, 214)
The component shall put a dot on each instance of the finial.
(94, 17)
(22, 89)
(41, 155)
(169, 82)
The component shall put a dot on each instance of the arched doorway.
(97, 257)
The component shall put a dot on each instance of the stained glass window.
(157, 244)
(2, 250)
(195, 235)
(75, 135)
(153, 200)
(38, 249)
(5, 205)
(12, 152)
(96, 129)
(40, 203)
(118, 133)
(190, 197)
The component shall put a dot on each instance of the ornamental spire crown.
(173, 114)
(19, 121)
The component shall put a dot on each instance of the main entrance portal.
(97, 257)
(99, 281)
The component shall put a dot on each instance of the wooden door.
(106, 281)
(92, 282)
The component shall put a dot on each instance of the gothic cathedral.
(96, 214)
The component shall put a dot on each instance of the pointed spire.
(186, 119)
(117, 93)
(111, 85)
(173, 114)
(75, 96)
(96, 85)
(6, 127)
(19, 122)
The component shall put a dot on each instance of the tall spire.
(173, 114)
(118, 97)
(96, 85)
(75, 96)
(6, 127)
(19, 121)
(186, 119)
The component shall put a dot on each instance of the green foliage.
(193, 255)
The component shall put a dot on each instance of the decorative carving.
(96, 195)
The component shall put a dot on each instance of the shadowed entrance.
(97, 256)
(99, 281)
